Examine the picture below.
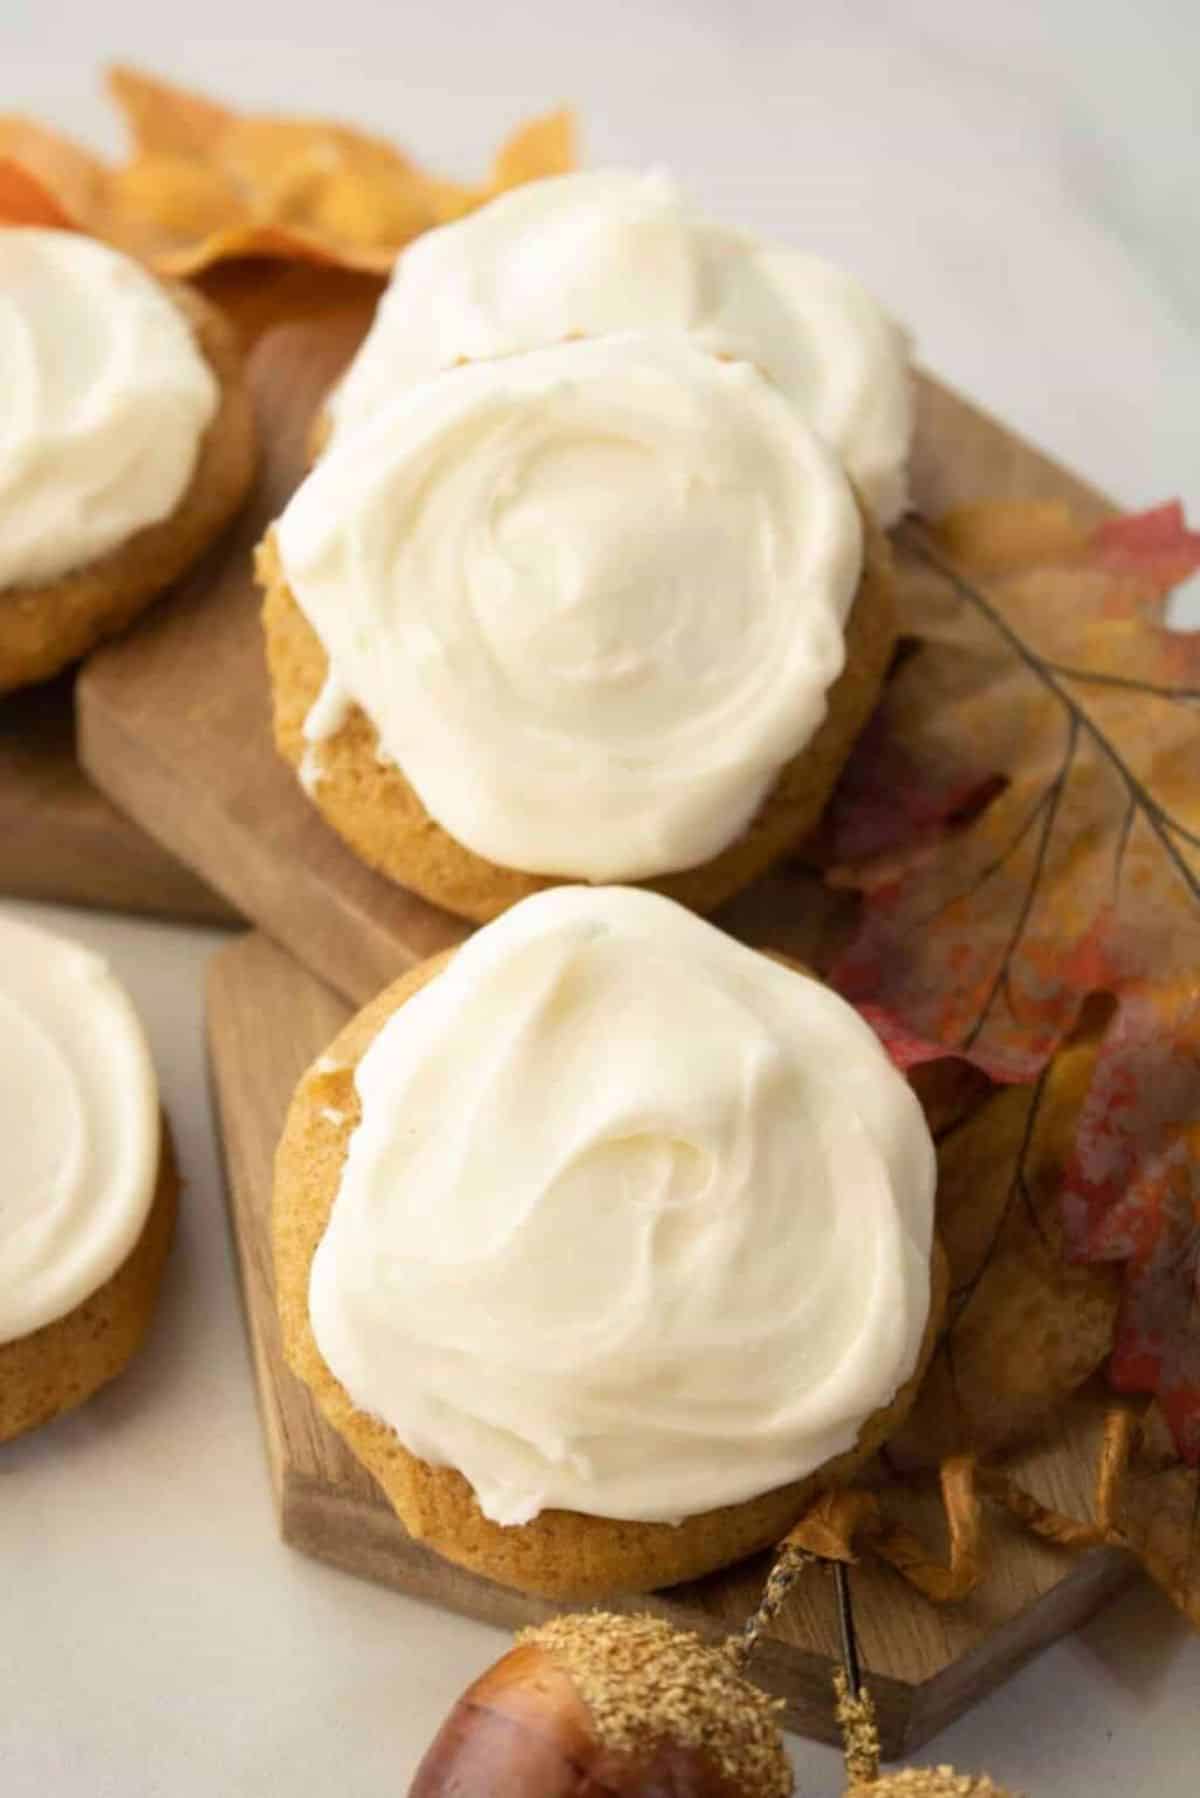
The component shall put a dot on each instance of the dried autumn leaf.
(256, 296)
(1142, 1500)
(206, 184)
(45, 179)
(1025, 1329)
(1042, 837)
(846, 1519)
(1024, 1326)
(25, 201)
(539, 147)
(1131, 1193)
(1046, 681)
(164, 119)
(1157, 1512)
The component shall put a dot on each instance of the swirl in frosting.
(106, 399)
(635, 1222)
(591, 598)
(587, 254)
(79, 1127)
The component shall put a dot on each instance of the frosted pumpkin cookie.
(126, 443)
(606, 1243)
(604, 611)
(88, 1183)
(611, 250)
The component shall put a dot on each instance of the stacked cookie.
(605, 1241)
(589, 581)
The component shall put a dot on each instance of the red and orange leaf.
(908, 1051)
(1132, 1194)
(1023, 824)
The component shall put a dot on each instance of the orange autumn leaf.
(43, 170)
(25, 201)
(1022, 821)
(205, 183)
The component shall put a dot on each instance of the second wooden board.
(175, 719)
(62, 839)
(267, 1020)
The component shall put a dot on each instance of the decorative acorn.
(627, 1707)
(597, 1706)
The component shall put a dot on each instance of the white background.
(1020, 182)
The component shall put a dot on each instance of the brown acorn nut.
(597, 1706)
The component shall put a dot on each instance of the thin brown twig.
(790, 1562)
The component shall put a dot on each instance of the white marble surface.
(1021, 183)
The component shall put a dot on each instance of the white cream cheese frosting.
(591, 598)
(79, 1127)
(636, 1221)
(614, 250)
(106, 399)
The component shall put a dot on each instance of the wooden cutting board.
(267, 1019)
(62, 839)
(174, 719)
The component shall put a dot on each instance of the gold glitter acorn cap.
(929, 1782)
(625, 1705)
(645, 1683)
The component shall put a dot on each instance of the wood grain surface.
(174, 719)
(267, 1020)
(61, 839)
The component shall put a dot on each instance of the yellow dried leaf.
(164, 119)
(71, 179)
(164, 195)
(206, 184)
(1000, 535)
(374, 216)
(541, 147)
(450, 200)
